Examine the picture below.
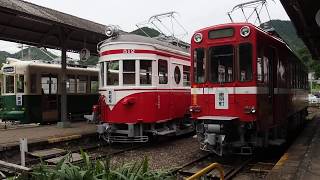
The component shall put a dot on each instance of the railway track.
(231, 165)
(95, 150)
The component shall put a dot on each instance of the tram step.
(277, 142)
(166, 132)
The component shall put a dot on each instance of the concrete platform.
(45, 134)
(302, 160)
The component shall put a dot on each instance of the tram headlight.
(245, 31)
(253, 110)
(197, 37)
(112, 30)
(249, 110)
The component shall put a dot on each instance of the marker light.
(111, 30)
(197, 37)
(245, 31)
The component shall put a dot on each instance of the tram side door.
(163, 93)
(272, 75)
(49, 98)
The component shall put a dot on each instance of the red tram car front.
(144, 88)
(246, 86)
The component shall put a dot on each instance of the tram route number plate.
(110, 97)
(19, 100)
(221, 99)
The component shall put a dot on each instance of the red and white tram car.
(248, 88)
(144, 88)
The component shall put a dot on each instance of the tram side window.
(71, 84)
(221, 64)
(94, 84)
(145, 72)
(129, 75)
(245, 62)
(102, 77)
(9, 84)
(113, 73)
(163, 71)
(199, 65)
(33, 83)
(82, 84)
(186, 76)
(20, 84)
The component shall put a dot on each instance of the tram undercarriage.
(229, 135)
(143, 132)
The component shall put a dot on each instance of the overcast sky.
(192, 15)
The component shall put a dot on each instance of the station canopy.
(305, 15)
(27, 23)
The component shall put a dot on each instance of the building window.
(199, 65)
(9, 80)
(82, 84)
(163, 71)
(20, 84)
(94, 84)
(245, 62)
(113, 73)
(71, 84)
(177, 74)
(186, 76)
(129, 75)
(145, 72)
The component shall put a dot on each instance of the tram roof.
(28, 64)
(133, 38)
(31, 24)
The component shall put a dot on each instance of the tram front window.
(245, 62)
(145, 72)
(129, 69)
(199, 65)
(221, 64)
(113, 73)
(9, 80)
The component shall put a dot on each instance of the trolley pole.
(64, 123)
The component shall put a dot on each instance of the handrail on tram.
(206, 170)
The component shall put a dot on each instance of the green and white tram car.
(30, 91)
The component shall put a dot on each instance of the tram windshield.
(145, 72)
(221, 64)
(113, 73)
(245, 62)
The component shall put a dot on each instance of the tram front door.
(49, 85)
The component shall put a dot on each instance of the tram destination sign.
(9, 69)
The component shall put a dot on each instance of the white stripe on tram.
(245, 90)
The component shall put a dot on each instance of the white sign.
(221, 99)
(84, 54)
(9, 69)
(19, 100)
(110, 97)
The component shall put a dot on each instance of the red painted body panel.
(147, 107)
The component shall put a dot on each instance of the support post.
(23, 150)
(64, 123)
